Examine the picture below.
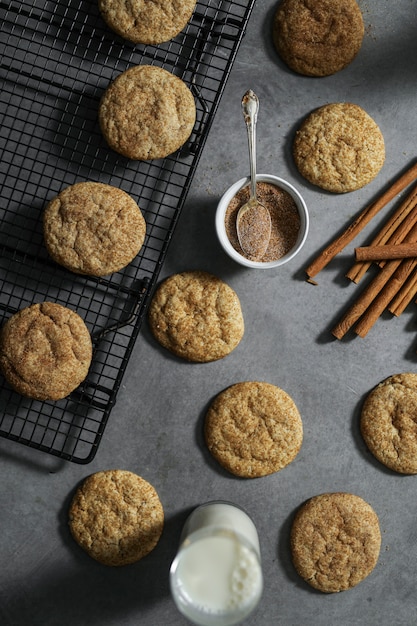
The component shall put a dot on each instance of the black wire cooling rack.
(56, 59)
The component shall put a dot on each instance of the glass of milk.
(216, 577)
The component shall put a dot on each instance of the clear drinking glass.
(216, 576)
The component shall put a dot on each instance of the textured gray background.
(156, 426)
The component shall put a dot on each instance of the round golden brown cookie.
(318, 37)
(45, 351)
(335, 541)
(389, 422)
(147, 113)
(147, 22)
(116, 517)
(339, 147)
(196, 316)
(253, 429)
(92, 228)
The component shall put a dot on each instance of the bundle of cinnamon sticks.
(394, 249)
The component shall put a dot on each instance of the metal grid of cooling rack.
(56, 59)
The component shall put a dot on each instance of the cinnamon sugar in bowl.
(289, 219)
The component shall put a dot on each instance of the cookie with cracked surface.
(147, 22)
(93, 228)
(253, 429)
(147, 113)
(388, 422)
(196, 316)
(339, 147)
(116, 517)
(335, 541)
(318, 37)
(45, 351)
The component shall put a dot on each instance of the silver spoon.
(253, 222)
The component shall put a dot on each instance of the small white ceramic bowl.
(221, 228)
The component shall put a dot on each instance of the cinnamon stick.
(384, 297)
(400, 234)
(397, 237)
(371, 291)
(360, 305)
(340, 242)
(404, 295)
(388, 251)
(390, 233)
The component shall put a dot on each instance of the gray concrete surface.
(156, 426)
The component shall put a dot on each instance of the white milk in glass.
(216, 577)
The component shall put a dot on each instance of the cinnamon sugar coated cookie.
(92, 228)
(147, 22)
(389, 422)
(339, 148)
(196, 316)
(318, 37)
(335, 541)
(147, 113)
(116, 517)
(45, 351)
(253, 429)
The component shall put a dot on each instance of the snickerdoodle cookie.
(45, 351)
(339, 147)
(196, 316)
(253, 429)
(318, 37)
(93, 228)
(147, 113)
(389, 422)
(116, 517)
(147, 22)
(335, 541)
